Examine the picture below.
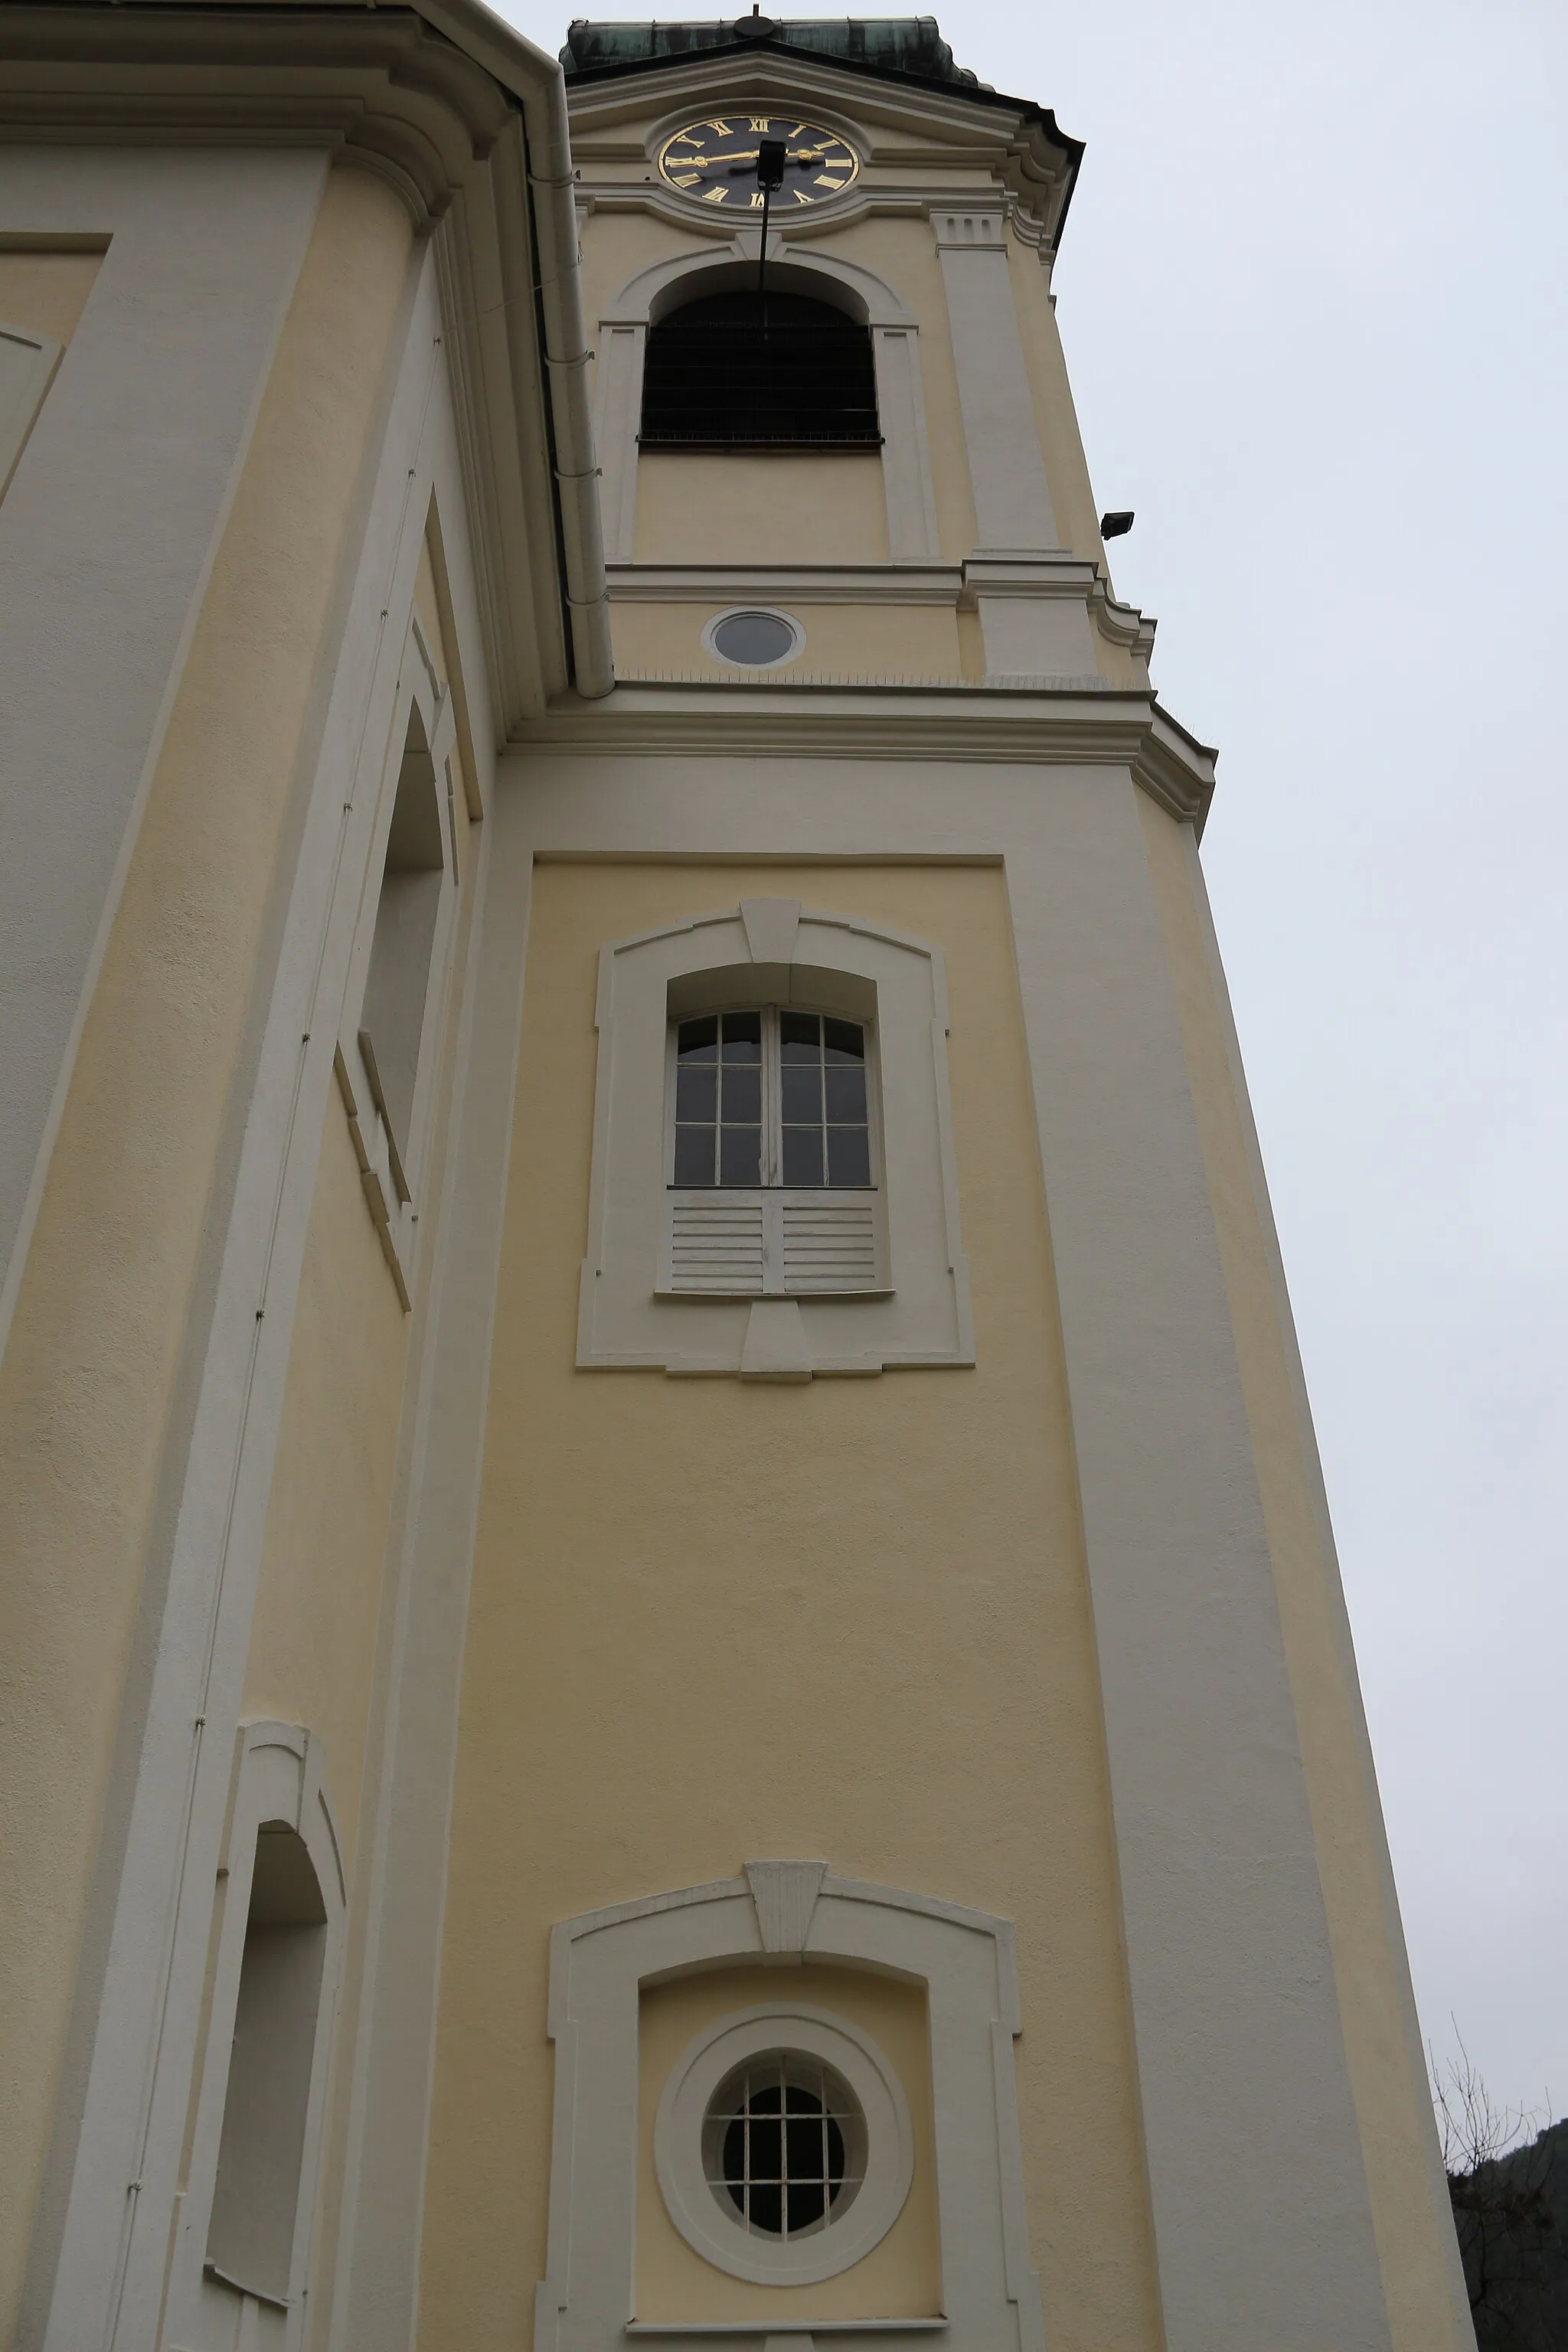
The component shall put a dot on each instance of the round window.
(754, 640)
(782, 2144)
(785, 2144)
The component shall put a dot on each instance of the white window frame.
(394, 1178)
(599, 1965)
(277, 1778)
(635, 1314)
(776, 1203)
(678, 2131)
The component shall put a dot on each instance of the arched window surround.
(965, 1959)
(279, 1783)
(904, 1297)
(895, 348)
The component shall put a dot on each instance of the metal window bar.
(787, 2139)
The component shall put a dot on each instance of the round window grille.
(785, 2146)
(782, 2144)
(754, 640)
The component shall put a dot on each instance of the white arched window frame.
(218, 2297)
(902, 1294)
(895, 344)
(391, 1112)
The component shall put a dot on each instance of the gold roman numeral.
(687, 179)
(824, 182)
(802, 198)
(715, 195)
(721, 128)
(757, 202)
(761, 121)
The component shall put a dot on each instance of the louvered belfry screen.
(752, 371)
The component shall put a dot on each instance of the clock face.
(715, 163)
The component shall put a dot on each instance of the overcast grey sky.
(1312, 294)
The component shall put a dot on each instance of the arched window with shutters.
(759, 370)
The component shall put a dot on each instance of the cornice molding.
(432, 98)
(805, 583)
(375, 85)
(995, 150)
(1045, 725)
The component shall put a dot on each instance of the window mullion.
(772, 1093)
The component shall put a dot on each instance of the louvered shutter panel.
(717, 1244)
(829, 1246)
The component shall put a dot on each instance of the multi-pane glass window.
(771, 1097)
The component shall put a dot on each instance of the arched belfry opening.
(749, 369)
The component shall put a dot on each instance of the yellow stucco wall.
(711, 1619)
(855, 641)
(785, 508)
(90, 1371)
(47, 291)
(312, 1641)
(1390, 2099)
(318, 1634)
(900, 2279)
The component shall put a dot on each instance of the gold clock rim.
(682, 129)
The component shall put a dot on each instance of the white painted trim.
(919, 1314)
(108, 2279)
(1006, 464)
(278, 1776)
(679, 2130)
(965, 1959)
(395, 1180)
(801, 584)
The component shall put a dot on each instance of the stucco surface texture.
(1409, 2198)
(91, 1370)
(711, 1621)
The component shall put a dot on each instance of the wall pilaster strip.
(619, 390)
(1234, 1996)
(1006, 465)
(906, 457)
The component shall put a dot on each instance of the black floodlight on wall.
(1117, 523)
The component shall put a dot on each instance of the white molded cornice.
(801, 584)
(925, 142)
(437, 108)
(1044, 723)
(376, 85)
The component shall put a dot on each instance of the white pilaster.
(619, 404)
(906, 459)
(1006, 465)
(1263, 2230)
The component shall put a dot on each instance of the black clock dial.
(715, 163)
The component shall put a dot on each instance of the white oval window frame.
(678, 2146)
(747, 669)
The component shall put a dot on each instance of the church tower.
(708, 1700)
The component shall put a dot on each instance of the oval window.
(755, 640)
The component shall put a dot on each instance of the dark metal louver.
(752, 371)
